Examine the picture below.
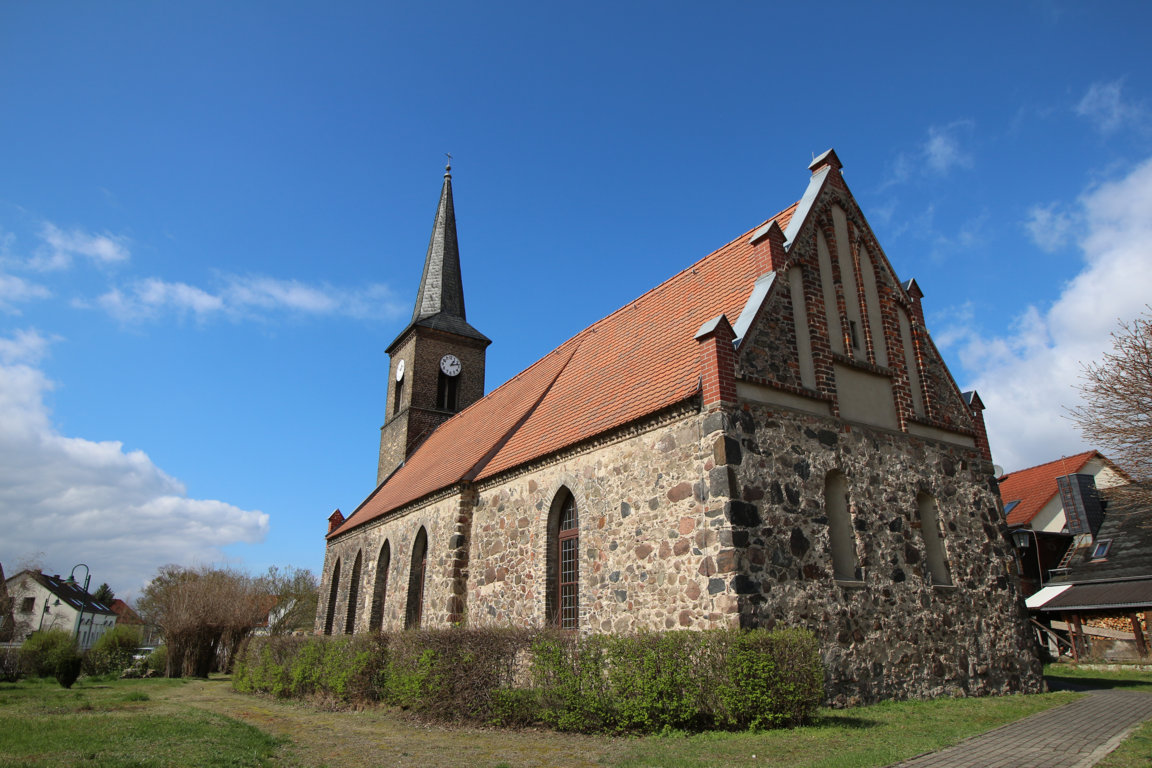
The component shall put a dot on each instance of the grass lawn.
(878, 735)
(120, 724)
(123, 723)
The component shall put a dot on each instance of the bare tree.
(294, 593)
(204, 614)
(1116, 415)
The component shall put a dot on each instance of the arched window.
(845, 566)
(380, 593)
(416, 580)
(353, 596)
(331, 617)
(562, 606)
(398, 386)
(933, 540)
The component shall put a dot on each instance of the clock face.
(400, 371)
(450, 364)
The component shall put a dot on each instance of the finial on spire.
(448, 166)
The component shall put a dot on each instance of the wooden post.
(1078, 637)
(1141, 646)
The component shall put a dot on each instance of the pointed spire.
(440, 300)
(441, 289)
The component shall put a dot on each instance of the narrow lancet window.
(933, 540)
(842, 539)
(563, 603)
(353, 596)
(416, 581)
(332, 593)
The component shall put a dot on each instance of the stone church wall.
(892, 634)
(438, 518)
(651, 526)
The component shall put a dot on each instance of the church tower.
(437, 361)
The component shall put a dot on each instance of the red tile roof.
(637, 361)
(1033, 487)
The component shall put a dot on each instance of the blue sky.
(213, 218)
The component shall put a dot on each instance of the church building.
(768, 438)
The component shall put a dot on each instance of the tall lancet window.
(563, 603)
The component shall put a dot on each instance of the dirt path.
(377, 738)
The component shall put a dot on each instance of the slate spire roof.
(440, 300)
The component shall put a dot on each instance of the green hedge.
(639, 683)
(340, 670)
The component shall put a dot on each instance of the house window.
(416, 581)
(563, 606)
(28, 605)
(1010, 506)
(353, 597)
(332, 593)
(842, 539)
(933, 540)
(380, 593)
(446, 392)
(1100, 551)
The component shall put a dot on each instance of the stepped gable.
(1035, 486)
(639, 360)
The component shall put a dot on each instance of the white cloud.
(149, 298)
(1104, 105)
(942, 151)
(14, 290)
(247, 296)
(1050, 227)
(76, 500)
(939, 153)
(59, 248)
(1028, 376)
(25, 347)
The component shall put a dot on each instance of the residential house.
(1034, 507)
(1103, 598)
(42, 602)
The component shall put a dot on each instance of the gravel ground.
(375, 737)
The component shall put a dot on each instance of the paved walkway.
(1076, 735)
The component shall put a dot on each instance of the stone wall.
(714, 520)
(892, 634)
(438, 519)
(650, 529)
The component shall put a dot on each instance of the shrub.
(775, 678)
(68, 664)
(655, 681)
(455, 674)
(333, 669)
(157, 661)
(642, 683)
(113, 652)
(9, 664)
(40, 652)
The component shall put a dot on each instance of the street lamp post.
(71, 581)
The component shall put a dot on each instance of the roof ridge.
(685, 270)
(1086, 454)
